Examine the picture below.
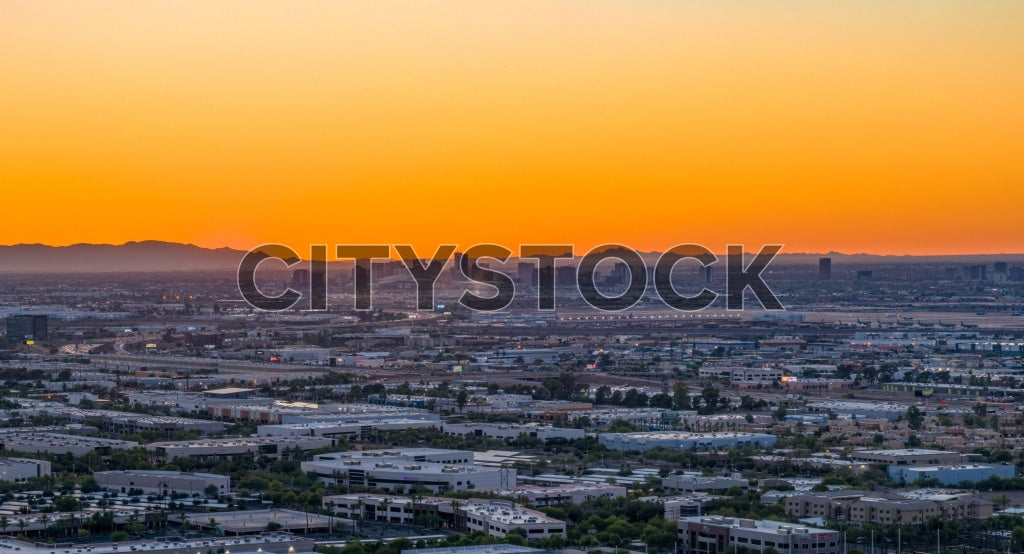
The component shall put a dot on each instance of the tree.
(272, 526)
(211, 491)
(681, 396)
(914, 418)
(461, 399)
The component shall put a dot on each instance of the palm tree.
(21, 525)
(384, 505)
(45, 518)
(4, 523)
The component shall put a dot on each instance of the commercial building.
(561, 494)
(273, 447)
(347, 429)
(162, 482)
(434, 455)
(905, 457)
(684, 441)
(717, 534)
(30, 440)
(254, 522)
(954, 474)
(876, 508)
(128, 422)
(510, 432)
(402, 476)
(270, 543)
(692, 482)
(497, 518)
(494, 517)
(22, 469)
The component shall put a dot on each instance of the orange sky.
(871, 126)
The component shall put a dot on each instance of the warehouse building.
(162, 483)
(18, 470)
(30, 440)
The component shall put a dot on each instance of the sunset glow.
(882, 127)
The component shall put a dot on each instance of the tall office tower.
(824, 269)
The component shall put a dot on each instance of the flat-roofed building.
(497, 518)
(684, 440)
(878, 508)
(403, 476)
(162, 482)
(273, 447)
(952, 474)
(905, 457)
(509, 432)
(348, 429)
(718, 534)
(691, 482)
(29, 440)
(271, 543)
(554, 495)
(22, 469)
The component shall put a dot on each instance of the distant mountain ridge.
(144, 256)
(160, 256)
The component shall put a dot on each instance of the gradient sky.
(872, 126)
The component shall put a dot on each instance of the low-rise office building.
(717, 534)
(348, 429)
(162, 482)
(403, 476)
(691, 482)
(684, 440)
(953, 474)
(497, 518)
(560, 494)
(877, 508)
(905, 457)
(493, 517)
(509, 432)
(273, 447)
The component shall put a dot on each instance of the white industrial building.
(162, 482)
